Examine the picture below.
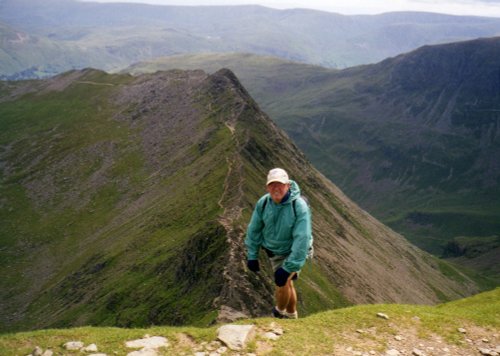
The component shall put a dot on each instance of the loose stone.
(154, 342)
(38, 351)
(143, 352)
(236, 336)
(383, 316)
(271, 336)
(418, 352)
(90, 348)
(73, 345)
(222, 350)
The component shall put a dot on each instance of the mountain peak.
(128, 199)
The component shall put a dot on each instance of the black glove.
(280, 277)
(253, 265)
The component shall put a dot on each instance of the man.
(281, 225)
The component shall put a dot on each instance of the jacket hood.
(294, 192)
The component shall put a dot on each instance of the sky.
(351, 7)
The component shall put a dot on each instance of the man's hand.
(280, 277)
(253, 265)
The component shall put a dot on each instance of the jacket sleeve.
(254, 237)
(302, 238)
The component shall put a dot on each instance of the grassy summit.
(432, 329)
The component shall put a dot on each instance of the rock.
(415, 318)
(383, 316)
(199, 354)
(485, 340)
(359, 331)
(398, 337)
(392, 352)
(48, 353)
(271, 336)
(487, 352)
(446, 350)
(372, 352)
(90, 348)
(417, 352)
(153, 342)
(221, 350)
(462, 330)
(38, 351)
(229, 315)
(73, 345)
(235, 336)
(274, 328)
(484, 351)
(349, 349)
(143, 352)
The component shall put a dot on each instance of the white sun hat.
(277, 175)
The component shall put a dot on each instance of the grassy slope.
(82, 208)
(322, 333)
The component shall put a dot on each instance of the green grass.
(100, 228)
(320, 333)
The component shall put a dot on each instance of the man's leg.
(292, 302)
(286, 296)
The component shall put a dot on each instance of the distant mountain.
(413, 139)
(25, 56)
(124, 201)
(114, 35)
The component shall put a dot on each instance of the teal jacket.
(277, 228)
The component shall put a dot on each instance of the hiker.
(281, 226)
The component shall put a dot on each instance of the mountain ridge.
(386, 130)
(126, 200)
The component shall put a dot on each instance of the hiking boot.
(293, 315)
(284, 314)
(278, 313)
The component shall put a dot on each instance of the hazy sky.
(456, 7)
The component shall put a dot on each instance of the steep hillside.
(413, 139)
(114, 35)
(125, 200)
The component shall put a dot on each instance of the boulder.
(236, 337)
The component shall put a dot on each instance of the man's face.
(277, 190)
